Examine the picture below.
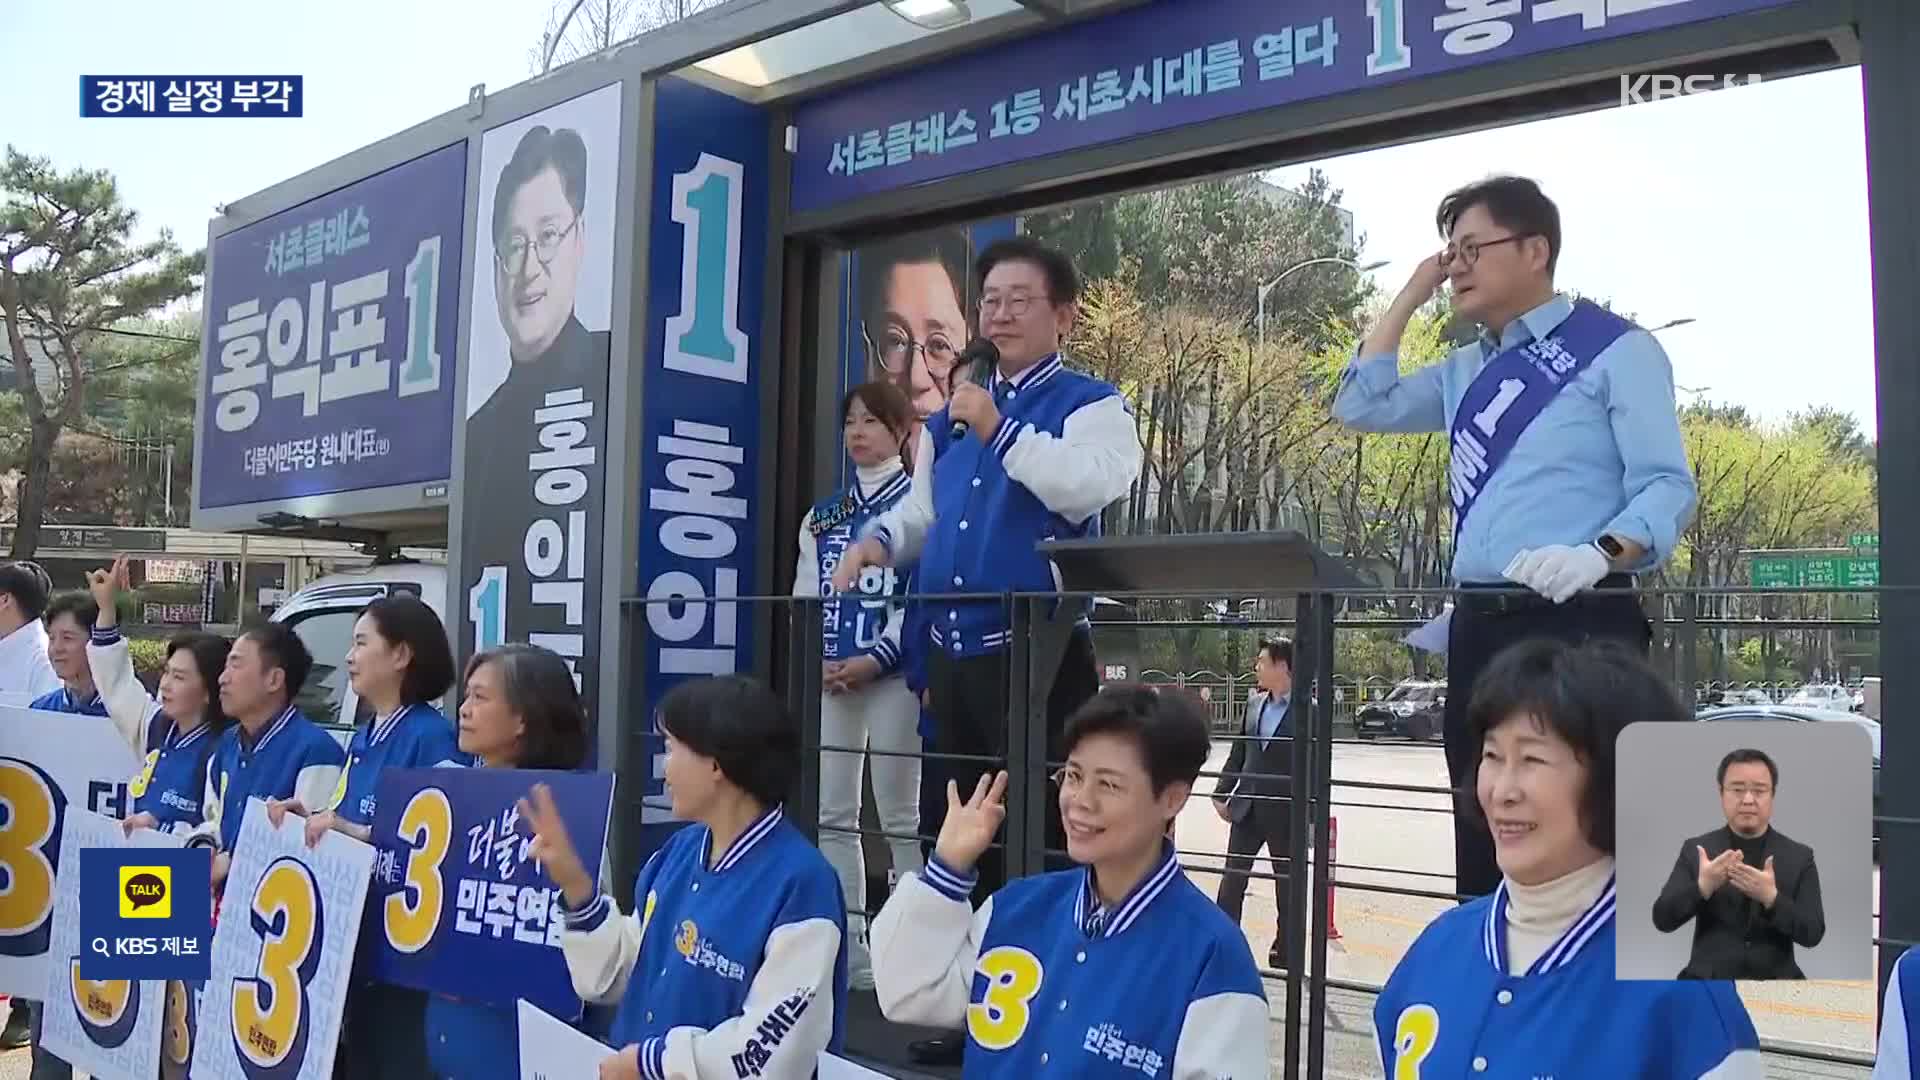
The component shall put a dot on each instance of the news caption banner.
(112, 1026)
(330, 340)
(51, 765)
(282, 954)
(204, 96)
(457, 905)
(1165, 65)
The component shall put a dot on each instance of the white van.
(323, 614)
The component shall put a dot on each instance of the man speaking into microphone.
(1027, 450)
(1568, 470)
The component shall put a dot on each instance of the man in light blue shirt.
(1568, 472)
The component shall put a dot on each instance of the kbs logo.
(145, 892)
(1640, 89)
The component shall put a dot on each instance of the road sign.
(1864, 541)
(1814, 571)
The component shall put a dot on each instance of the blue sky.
(1743, 209)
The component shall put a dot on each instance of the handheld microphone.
(980, 357)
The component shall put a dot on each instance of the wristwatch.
(1610, 548)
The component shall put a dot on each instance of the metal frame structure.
(798, 332)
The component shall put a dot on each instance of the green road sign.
(1775, 572)
(1864, 541)
(1814, 571)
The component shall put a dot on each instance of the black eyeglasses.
(1468, 251)
(896, 346)
(513, 258)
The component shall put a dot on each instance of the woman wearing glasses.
(1521, 983)
(864, 701)
(1120, 967)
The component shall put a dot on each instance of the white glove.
(1558, 571)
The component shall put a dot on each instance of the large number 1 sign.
(705, 337)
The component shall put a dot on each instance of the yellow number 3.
(1013, 977)
(270, 1022)
(1414, 1036)
(32, 822)
(427, 824)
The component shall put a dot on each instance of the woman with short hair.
(1521, 983)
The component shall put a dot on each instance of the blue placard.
(191, 95)
(146, 913)
(330, 340)
(700, 471)
(455, 904)
(1170, 64)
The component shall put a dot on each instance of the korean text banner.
(105, 1027)
(533, 492)
(700, 444)
(1170, 64)
(330, 340)
(50, 764)
(456, 904)
(283, 953)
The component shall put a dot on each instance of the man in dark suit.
(1752, 893)
(1255, 794)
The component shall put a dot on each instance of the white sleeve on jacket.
(601, 947)
(210, 808)
(925, 944)
(782, 1029)
(1892, 1062)
(806, 573)
(316, 784)
(904, 528)
(1087, 468)
(1223, 1036)
(128, 702)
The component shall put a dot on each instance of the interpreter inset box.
(1745, 849)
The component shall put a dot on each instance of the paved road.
(1410, 846)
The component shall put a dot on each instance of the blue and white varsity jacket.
(871, 624)
(173, 769)
(729, 970)
(294, 758)
(1065, 449)
(416, 736)
(1048, 982)
(1450, 1009)
(1899, 1048)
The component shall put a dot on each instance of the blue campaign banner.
(330, 340)
(1169, 64)
(455, 904)
(145, 913)
(192, 95)
(701, 388)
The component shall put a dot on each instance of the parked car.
(1412, 710)
(1795, 713)
(1821, 696)
(323, 614)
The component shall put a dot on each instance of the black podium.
(1268, 564)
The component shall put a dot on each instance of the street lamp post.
(1260, 300)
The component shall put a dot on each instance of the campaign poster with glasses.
(907, 306)
(533, 483)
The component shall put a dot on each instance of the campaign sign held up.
(456, 903)
(145, 913)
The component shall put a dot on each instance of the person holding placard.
(175, 733)
(736, 958)
(273, 750)
(520, 711)
(1119, 967)
(1521, 983)
(399, 664)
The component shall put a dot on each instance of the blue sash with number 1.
(1511, 392)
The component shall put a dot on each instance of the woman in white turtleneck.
(864, 703)
(1521, 983)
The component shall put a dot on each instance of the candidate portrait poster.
(457, 905)
(533, 492)
(282, 954)
(104, 1028)
(50, 764)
